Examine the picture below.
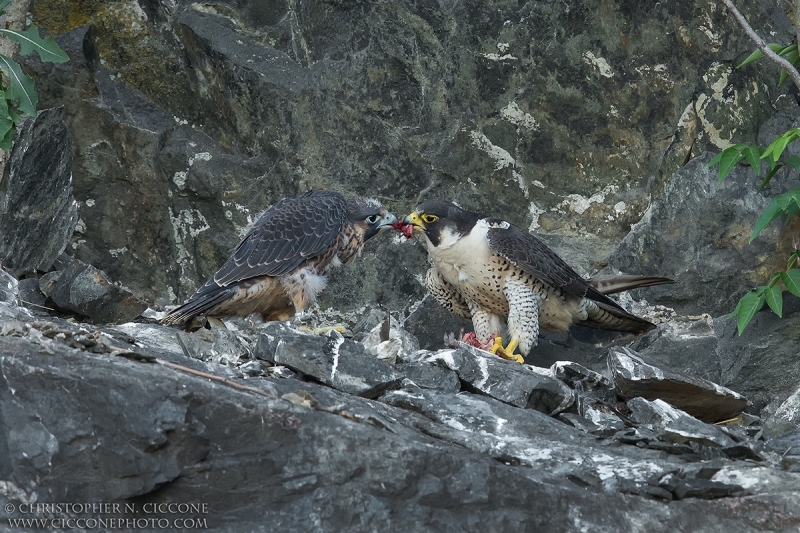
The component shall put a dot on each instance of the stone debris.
(707, 401)
(507, 381)
(674, 425)
(217, 345)
(330, 359)
(37, 211)
(9, 288)
(84, 290)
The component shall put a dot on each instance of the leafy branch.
(775, 158)
(17, 93)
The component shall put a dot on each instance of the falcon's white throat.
(460, 256)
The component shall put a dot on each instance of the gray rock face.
(37, 211)
(188, 119)
(676, 425)
(120, 414)
(333, 360)
(9, 288)
(705, 400)
(506, 381)
(84, 290)
(192, 120)
(709, 258)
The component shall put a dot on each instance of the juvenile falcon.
(279, 266)
(486, 269)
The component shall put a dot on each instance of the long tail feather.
(614, 284)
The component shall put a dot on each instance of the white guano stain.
(521, 182)
(717, 78)
(497, 57)
(180, 179)
(484, 366)
(600, 64)
(501, 157)
(445, 356)
(730, 476)
(335, 349)
(89, 202)
(518, 117)
(117, 251)
(535, 211)
(579, 204)
(201, 156)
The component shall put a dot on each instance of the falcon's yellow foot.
(508, 351)
(341, 328)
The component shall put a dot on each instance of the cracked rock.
(510, 382)
(330, 359)
(674, 425)
(707, 401)
(84, 290)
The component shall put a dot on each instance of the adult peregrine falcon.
(486, 269)
(279, 266)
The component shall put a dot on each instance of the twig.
(36, 305)
(759, 42)
(135, 356)
(218, 379)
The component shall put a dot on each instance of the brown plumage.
(279, 266)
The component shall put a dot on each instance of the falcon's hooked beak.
(415, 221)
(387, 221)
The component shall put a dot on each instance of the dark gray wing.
(287, 234)
(533, 256)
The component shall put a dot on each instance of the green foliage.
(787, 52)
(787, 204)
(17, 94)
(771, 294)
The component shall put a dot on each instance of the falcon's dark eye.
(429, 219)
(372, 219)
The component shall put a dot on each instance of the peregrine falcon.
(279, 266)
(486, 269)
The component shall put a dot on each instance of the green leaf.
(793, 161)
(748, 306)
(791, 210)
(772, 212)
(788, 50)
(30, 41)
(6, 122)
(728, 159)
(791, 55)
(4, 6)
(7, 140)
(774, 299)
(20, 86)
(786, 199)
(777, 147)
(758, 54)
(791, 278)
(774, 168)
(753, 156)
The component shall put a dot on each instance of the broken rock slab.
(507, 381)
(37, 211)
(9, 288)
(579, 377)
(84, 290)
(674, 425)
(218, 345)
(707, 401)
(330, 359)
(428, 376)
